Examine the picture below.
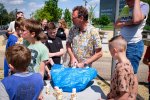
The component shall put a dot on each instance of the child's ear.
(33, 34)
(115, 50)
(11, 67)
(82, 18)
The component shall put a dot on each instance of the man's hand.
(80, 65)
(74, 62)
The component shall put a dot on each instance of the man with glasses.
(83, 43)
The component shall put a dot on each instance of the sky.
(30, 6)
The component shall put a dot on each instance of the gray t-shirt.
(132, 34)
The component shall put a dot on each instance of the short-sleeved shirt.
(39, 53)
(132, 34)
(54, 45)
(147, 56)
(11, 27)
(123, 80)
(21, 86)
(85, 43)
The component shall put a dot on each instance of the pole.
(16, 12)
(115, 31)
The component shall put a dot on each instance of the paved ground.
(103, 65)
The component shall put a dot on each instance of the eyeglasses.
(74, 17)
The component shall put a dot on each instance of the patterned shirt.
(123, 80)
(84, 43)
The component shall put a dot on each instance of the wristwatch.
(85, 64)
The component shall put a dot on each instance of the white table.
(92, 92)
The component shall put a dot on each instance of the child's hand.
(51, 61)
(40, 97)
(48, 76)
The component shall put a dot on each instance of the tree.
(67, 17)
(91, 12)
(104, 20)
(96, 21)
(3, 15)
(12, 16)
(42, 14)
(50, 11)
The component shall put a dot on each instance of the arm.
(48, 72)
(146, 59)
(72, 57)
(120, 24)
(96, 56)
(60, 53)
(138, 16)
(66, 32)
(42, 68)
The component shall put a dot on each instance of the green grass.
(108, 27)
(147, 27)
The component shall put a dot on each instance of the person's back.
(22, 85)
(123, 81)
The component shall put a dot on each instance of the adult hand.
(74, 62)
(80, 65)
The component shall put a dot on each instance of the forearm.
(120, 24)
(57, 54)
(137, 13)
(42, 68)
(95, 57)
(69, 50)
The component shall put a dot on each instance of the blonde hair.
(63, 23)
(118, 42)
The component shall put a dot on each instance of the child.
(123, 82)
(22, 85)
(146, 60)
(39, 52)
(12, 40)
(54, 44)
(43, 38)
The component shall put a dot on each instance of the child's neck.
(122, 58)
(32, 41)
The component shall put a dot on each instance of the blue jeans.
(134, 53)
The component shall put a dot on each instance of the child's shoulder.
(124, 66)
